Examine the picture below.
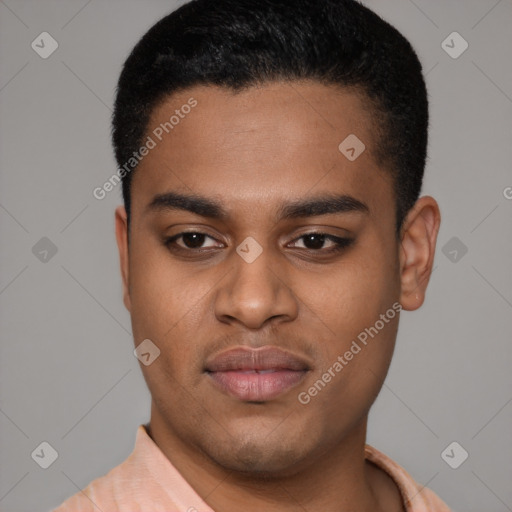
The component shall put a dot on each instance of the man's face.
(256, 154)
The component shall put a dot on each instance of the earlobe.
(122, 245)
(418, 245)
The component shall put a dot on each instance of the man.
(272, 156)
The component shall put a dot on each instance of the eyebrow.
(211, 208)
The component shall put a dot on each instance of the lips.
(256, 375)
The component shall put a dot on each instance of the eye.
(192, 240)
(315, 242)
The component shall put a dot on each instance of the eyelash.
(340, 243)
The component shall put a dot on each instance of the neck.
(337, 480)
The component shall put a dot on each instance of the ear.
(122, 245)
(418, 245)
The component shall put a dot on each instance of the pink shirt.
(147, 482)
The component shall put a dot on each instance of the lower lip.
(257, 387)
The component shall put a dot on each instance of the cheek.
(167, 301)
(354, 295)
(359, 324)
(354, 364)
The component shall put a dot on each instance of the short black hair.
(240, 43)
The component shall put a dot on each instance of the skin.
(253, 152)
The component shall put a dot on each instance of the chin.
(256, 461)
(259, 456)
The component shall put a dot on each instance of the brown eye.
(192, 240)
(316, 241)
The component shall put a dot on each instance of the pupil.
(195, 239)
(311, 238)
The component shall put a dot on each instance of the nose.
(255, 293)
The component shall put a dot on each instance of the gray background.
(68, 374)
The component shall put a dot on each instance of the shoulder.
(100, 493)
(146, 480)
(116, 488)
(416, 498)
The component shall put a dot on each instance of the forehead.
(306, 112)
(265, 143)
